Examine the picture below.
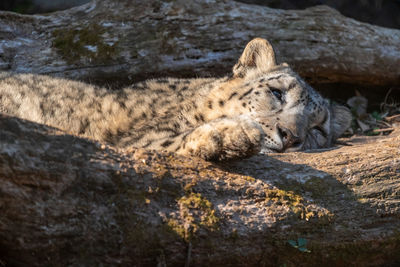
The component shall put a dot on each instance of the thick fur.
(261, 107)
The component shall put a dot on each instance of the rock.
(70, 201)
(125, 41)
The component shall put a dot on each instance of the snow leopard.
(262, 106)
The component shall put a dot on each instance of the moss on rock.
(83, 43)
(195, 212)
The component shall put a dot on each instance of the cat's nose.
(289, 140)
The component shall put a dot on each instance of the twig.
(384, 104)
(387, 95)
(343, 143)
(392, 118)
(189, 254)
(383, 130)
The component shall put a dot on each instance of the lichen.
(83, 43)
(176, 227)
(189, 186)
(284, 197)
(249, 179)
(195, 212)
(294, 201)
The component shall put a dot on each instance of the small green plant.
(300, 244)
(376, 115)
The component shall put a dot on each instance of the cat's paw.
(224, 139)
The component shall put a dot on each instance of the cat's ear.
(257, 56)
(341, 120)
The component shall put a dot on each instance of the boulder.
(71, 201)
(120, 41)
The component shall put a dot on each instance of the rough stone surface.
(128, 41)
(71, 201)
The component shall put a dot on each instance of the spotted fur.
(261, 107)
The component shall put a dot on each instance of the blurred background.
(384, 13)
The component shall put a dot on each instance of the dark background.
(384, 13)
(38, 6)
